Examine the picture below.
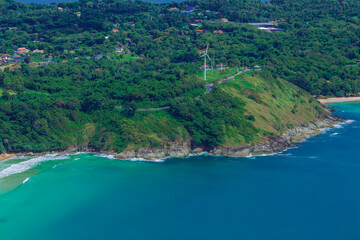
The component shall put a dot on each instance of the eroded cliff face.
(183, 148)
(280, 143)
(269, 146)
(178, 149)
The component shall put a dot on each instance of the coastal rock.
(197, 150)
(183, 148)
(126, 155)
(238, 151)
(273, 145)
(280, 143)
(176, 149)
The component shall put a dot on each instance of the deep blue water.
(308, 193)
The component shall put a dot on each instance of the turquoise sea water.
(311, 192)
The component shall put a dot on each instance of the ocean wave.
(103, 155)
(324, 130)
(109, 156)
(251, 156)
(265, 155)
(340, 125)
(281, 153)
(26, 165)
(27, 179)
(145, 160)
(199, 154)
(78, 153)
(349, 121)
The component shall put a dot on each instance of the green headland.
(128, 76)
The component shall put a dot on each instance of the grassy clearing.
(273, 105)
(217, 74)
(124, 57)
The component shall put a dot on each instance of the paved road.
(209, 86)
(146, 109)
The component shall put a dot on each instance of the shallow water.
(310, 192)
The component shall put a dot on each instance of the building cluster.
(46, 62)
(18, 56)
(191, 10)
(218, 66)
(198, 24)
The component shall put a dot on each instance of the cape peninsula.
(145, 80)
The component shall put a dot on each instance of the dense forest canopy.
(71, 63)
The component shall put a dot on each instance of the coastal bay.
(178, 120)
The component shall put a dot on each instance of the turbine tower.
(205, 56)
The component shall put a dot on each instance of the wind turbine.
(205, 55)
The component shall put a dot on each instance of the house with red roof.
(22, 50)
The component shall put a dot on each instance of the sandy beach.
(339, 99)
(6, 156)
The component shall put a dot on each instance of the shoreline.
(339, 99)
(7, 156)
(283, 142)
(183, 149)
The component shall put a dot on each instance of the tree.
(130, 108)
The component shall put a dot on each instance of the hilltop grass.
(217, 74)
(273, 105)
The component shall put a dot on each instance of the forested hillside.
(66, 66)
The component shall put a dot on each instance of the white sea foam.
(144, 160)
(267, 154)
(27, 179)
(349, 121)
(325, 129)
(250, 156)
(334, 134)
(340, 125)
(270, 154)
(199, 154)
(78, 153)
(108, 156)
(26, 165)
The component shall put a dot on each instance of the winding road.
(209, 88)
